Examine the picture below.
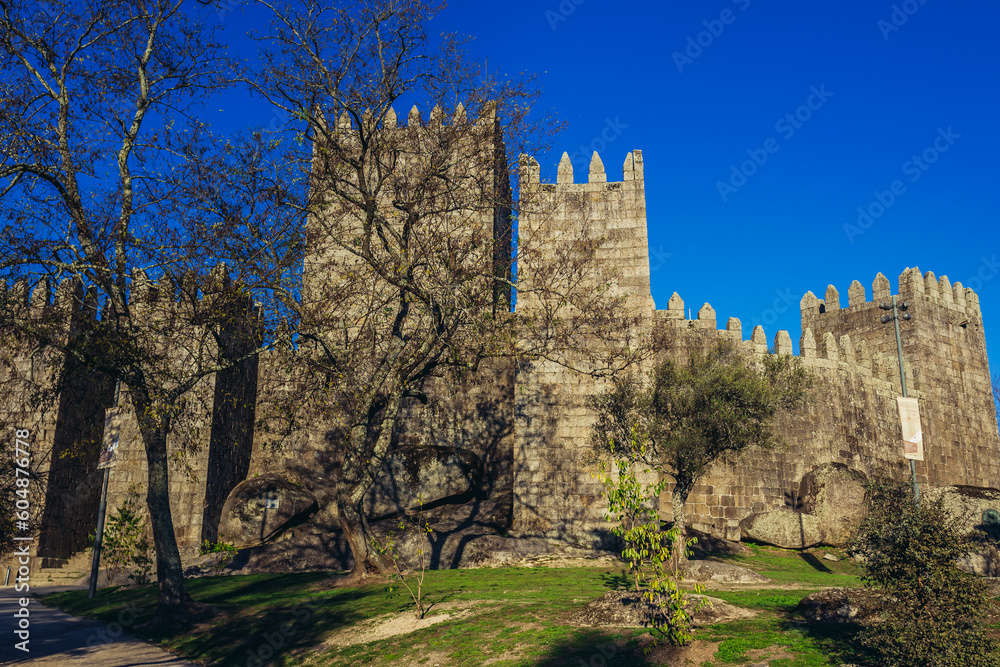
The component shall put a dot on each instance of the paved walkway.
(59, 639)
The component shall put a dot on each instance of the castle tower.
(944, 350)
(428, 182)
(594, 232)
(563, 221)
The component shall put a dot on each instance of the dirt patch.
(695, 653)
(627, 609)
(391, 625)
(774, 652)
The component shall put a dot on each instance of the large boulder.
(261, 510)
(977, 508)
(783, 528)
(983, 560)
(427, 474)
(832, 503)
(721, 573)
(841, 605)
(834, 494)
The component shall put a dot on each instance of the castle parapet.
(564, 218)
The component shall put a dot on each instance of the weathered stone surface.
(971, 505)
(710, 544)
(721, 573)
(840, 605)
(463, 535)
(261, 508)
(424, 474)
(835, 494)
(783, 528)
(984, 560)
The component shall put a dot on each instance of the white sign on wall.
(913, 435)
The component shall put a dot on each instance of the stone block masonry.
(519, 427)
(851, 419)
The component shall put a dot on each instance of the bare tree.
(111, 188)
(407, 272)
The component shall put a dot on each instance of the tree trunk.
(173, 597)
(352, 523)
(679, 555)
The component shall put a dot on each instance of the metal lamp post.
(95, 564)
(894, 318)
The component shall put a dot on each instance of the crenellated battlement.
(67, 299)
(556, 217)
(597, 178)
(938, 292)
(415, 122)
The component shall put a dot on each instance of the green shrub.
(654, 568)
(934, 614)
(224, 553)
(125, 547)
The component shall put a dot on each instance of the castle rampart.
(521, 427)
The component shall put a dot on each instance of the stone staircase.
(63, 571)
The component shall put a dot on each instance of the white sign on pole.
(112, 426)
(913, 436)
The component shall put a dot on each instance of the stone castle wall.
(522, 427)
(851, 419)
(64, 426)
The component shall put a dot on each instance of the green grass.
(519, 619)
(805, 569)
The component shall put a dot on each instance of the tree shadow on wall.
(554, 493)
(479, 435)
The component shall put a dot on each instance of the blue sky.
(701, 87)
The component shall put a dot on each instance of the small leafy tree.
(388, 548)
(694, 412)
(646, 547)
(125, 545)
(934, 614)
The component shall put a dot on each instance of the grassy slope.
(519, 621)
